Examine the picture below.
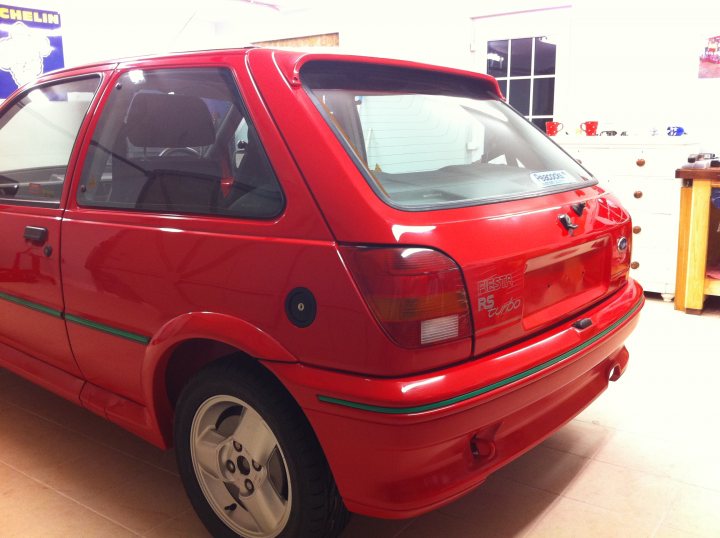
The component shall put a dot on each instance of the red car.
(334, 284)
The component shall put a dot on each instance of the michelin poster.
(30, 45)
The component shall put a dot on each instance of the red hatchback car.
(331, 283)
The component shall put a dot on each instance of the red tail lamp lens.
(416, 294)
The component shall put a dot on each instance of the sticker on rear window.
(552, 178)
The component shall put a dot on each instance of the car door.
(38, 132)
(170, 217)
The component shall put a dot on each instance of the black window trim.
(29, 203)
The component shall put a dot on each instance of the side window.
(37, 134)
(179, 141)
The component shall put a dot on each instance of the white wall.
(639, 65)
(627, 64)
(95, 31)
(632, 65)
(434, 33)
(430, 32)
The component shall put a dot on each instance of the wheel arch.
(188, 343)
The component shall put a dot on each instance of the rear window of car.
(430, 140)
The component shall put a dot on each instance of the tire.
(249, 460)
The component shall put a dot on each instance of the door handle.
(35, 234)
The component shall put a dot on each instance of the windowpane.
(540, 122)
(543, 96)
(37, 135)
(179, 141)
(520, 95)
(528, 59)
(521, 57)
(497, 58)
(545, 54)
(503, 87)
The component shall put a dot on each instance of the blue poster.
(30, 45)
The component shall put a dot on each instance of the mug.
(675, 131)
(553, 127)
(589, 128)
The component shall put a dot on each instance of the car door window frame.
(239, 100)
(79, 135)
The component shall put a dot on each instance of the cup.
(589, 128)
(675, 131)
(553, 127)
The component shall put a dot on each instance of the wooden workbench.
(691, 284)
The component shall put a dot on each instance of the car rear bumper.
(402, 447)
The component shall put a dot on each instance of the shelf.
(713, 174)
(621, 141)
(712, 286)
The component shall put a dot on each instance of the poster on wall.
(30, 45)
(710, 59)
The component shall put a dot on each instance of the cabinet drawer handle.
(634, 265)
(640, 162)
(638, 194)
(637, 229)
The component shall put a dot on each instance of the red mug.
(589, 128)
(553, 127)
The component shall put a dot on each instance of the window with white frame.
(525, 70)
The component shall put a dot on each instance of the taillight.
(416, 294)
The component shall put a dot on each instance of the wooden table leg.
(682, 252)
(697, 245)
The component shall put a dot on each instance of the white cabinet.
(640, 171)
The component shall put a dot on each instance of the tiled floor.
(640, 461)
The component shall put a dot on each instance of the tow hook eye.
(567, 222)
(482, 449)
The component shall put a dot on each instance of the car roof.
(111, 63)
(288, 61)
